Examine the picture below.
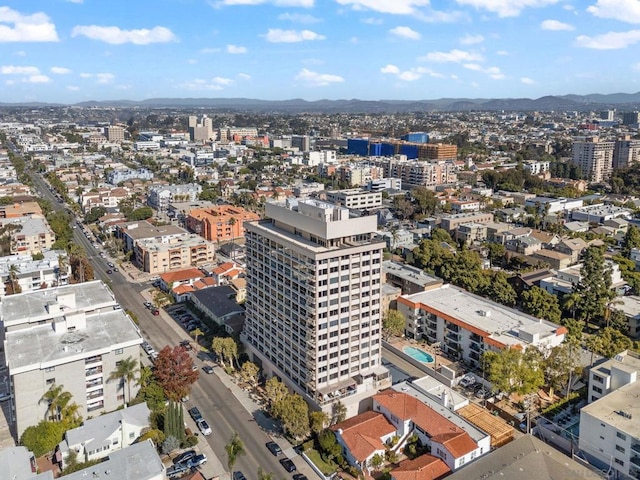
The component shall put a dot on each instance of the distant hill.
(594, 101)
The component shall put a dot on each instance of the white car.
(467, 381)
(204, 426)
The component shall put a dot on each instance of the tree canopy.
(594, 287)
(513, 371)
(174, 372)
(541, 304)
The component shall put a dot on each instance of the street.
(219, 406)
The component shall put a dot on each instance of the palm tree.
(57, 401)
(63, 263)
(571, 302)
(234, 449)
(14, 270)
(126, 372)
(197, 333)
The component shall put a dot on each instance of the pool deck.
(401, 343)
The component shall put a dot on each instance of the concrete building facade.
(313, 301)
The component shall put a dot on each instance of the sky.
(68, 51)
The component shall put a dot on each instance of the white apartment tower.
(627, 152)
(595, 157)
(313, 301)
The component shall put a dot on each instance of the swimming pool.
(418, 354)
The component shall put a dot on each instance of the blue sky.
(75, 50)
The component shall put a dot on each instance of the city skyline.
(68, 51)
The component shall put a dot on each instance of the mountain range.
(619, 101)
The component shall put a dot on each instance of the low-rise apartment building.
(72, 336)
(51, 271)
(219, 223)
(451, 222)
(610, 374)
(610, 432)
(31, 234)
(355, 198)
(132, 232)
(160, 197)
(466, 325)
(158, 256)
(409, 279)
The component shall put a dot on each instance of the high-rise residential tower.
(626, 152)
(594, 156)
(313, 301)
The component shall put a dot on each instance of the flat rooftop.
(503, 324)
(625, 361)
(27, 306)
(620, 409)
(40, 346)
(409, 273)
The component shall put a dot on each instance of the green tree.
(513, 371)
(496, 252)
(263, 475)
(329, 445)
(275, 390)
(293, 411)
(541, 304)
(425, 199)
(43, 437)
(559, 367)
(94, 214)
(318, 420)
(594, 286)
(249, 373)
(631, 240)
(608, 342)
(393, 324)
(498, 288)
(376, 461)
(234, 449)
(57, 400)
(125, 372)
(338, 412)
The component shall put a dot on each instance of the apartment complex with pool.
(465, 325)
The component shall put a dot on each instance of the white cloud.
(276, 35)
(276, 3)
(315, 79)
(527, 81)
(60, 70)
(506, 8)
(221, 81)
(16, 27)
(622, 10)
(405, 32)
(372, 21)
(469, 39)
(192, 61)
(37, 79)
(409, 75)
(236, 49)
(210, 50)
(75, 1)
(244, 76)
(201, 84)
(455, 56)
(100, 77)
(299, 18)
(495, 73)
(556, 26)
(395, 7)
(473, 66)
(610, 40)
(390, 69)
(117, 36)
(503, 53)
(18, 70)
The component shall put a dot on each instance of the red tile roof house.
(187, 276)
(397, 414)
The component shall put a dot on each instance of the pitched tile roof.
(362, 433)
(180, 275)
(439, 428)
(425, 467)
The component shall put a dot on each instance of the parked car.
(467, 381)
(208, 369)
(299, 476)
(110, 264)
(148, 349)
(184, 456)
(204, 426)
(195, 414)
(196, 461)
(109, 272)
(177, 470)
(156, 312)
(274, 448)
(288, 465)
(239, 476)
(148, 304)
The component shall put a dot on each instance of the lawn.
(326, 468)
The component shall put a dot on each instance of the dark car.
(208, 369)
(195, 414)
(156, 312)
(177, 470)
(239, 476)
(299, 476)
(288, 465)
(109, 272)
(274, 448)
(184, 456)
